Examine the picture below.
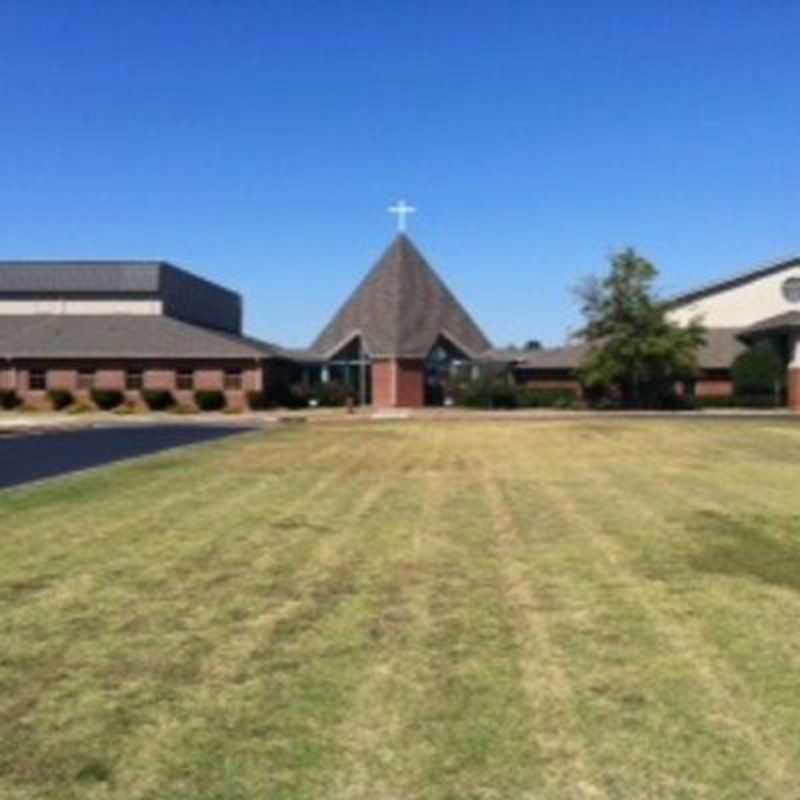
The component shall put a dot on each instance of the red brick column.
(410, 383)
(398, 383)
(793, 388)
(383, 386)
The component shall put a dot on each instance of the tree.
(759, 371)
(635, 352)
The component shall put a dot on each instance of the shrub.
(556, 397)
(257, 401)
(758, 371)
(209, 399)
(279, 396)
(106, 399)
(158, 399)
(679, 402)
(331, 394)
(9, 400)
(298, 396)
(738, 401)
(301, 395)
(60, 398)
(485, 392)
(756, 400)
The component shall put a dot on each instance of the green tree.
(635, 352)
(759, 371)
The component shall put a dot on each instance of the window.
(134, 380)
(37, 380)
(233, 379)
(185, 380)
(791, 290)
(85, 378)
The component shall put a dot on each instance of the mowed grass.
(458, 610)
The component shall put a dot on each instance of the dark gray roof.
(65, 336)
(780, 323)
(400, 309)
(737, 280)
(65, 277)
(567, 357)
(183, 294)
(300, 355)
(721, 348)
(719, 352)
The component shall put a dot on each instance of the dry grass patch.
(461, 610)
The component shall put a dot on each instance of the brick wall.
(717, 387)
(398, 383)
(793, 388)
(113, 376)
(383, 383)
(410, 383)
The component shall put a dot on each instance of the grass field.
(462, 610)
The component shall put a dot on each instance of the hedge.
(60, 398)
(738, 401)
(758, 371)
(158, 399)
(209, 399)
(9, 400)
(106, 399)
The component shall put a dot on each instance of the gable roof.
(400, 309)
(107, 336)
(719, 351)
(732, 283)
(786, 322)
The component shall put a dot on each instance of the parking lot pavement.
(35, 456)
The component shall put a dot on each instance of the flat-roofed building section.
(116, 288)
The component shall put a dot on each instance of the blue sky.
(260, 144)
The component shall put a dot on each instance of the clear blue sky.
(260, 143)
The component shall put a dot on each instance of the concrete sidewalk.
(21, 422)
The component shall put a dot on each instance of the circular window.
(791, 290)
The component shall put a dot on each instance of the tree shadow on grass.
(758, 547)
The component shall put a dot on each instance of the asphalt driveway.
(33, 457)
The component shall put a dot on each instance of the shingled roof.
(787, 322)
(401, 309)
(110, 336)
(721, 347)
(83, 277)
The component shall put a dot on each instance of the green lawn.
(409, 610)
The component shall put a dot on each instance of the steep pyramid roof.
(401, 309)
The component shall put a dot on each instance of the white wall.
(742, 305)
(82, 307)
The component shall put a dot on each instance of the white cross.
(402, 210)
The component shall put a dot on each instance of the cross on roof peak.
(402, 209)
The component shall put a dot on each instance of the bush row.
(499, 393)
(109, 399)
(9, 399)
(739, 401)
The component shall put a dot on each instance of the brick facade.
(793, 388)
(716, 387)
(113, 376)
(398, 383)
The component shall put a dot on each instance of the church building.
(134, 326)
(402, 329)
(762, 304)
(129, 326)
